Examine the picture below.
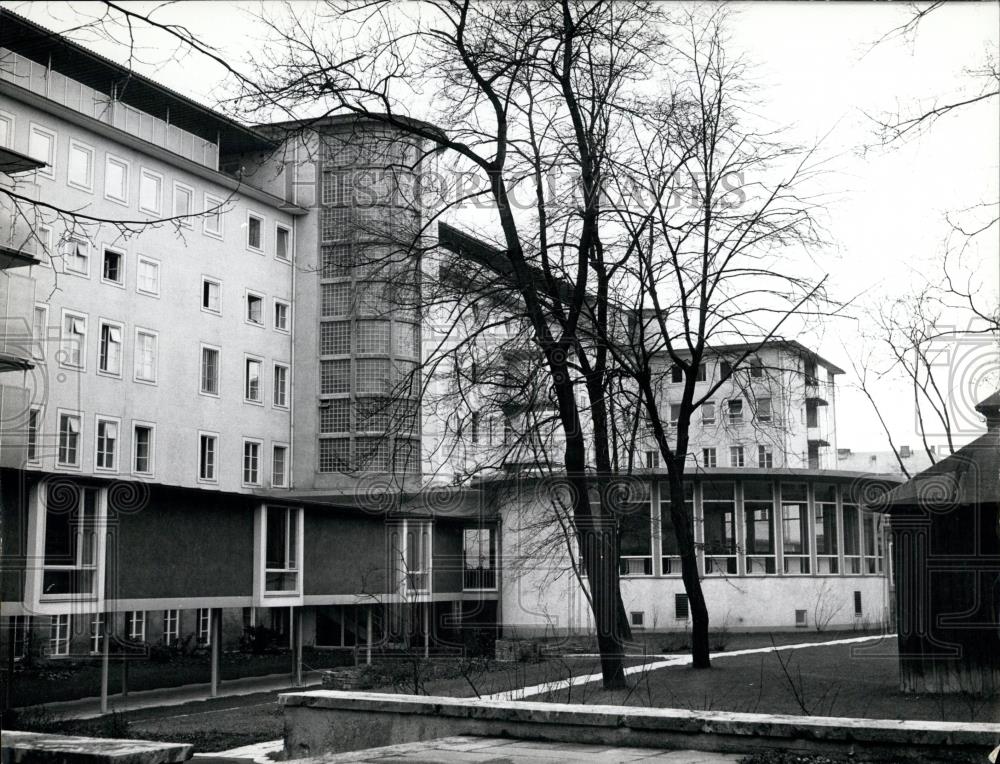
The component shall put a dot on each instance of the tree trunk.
(700, 656)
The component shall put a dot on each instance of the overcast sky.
(820, 74)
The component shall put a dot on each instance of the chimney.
(990, 408)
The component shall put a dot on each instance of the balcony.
(479, 579)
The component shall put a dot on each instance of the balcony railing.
(479, 579)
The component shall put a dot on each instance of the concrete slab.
(71, 749)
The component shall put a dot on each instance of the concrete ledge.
(43, 747)
(325, 721)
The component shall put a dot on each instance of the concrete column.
(105, 660)
(296, 623)
(215, 637)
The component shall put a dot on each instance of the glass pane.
(275, 541)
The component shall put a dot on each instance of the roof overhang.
(12, 162)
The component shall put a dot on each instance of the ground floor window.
(203, 631)
(59, 635)
(135, 625)
(97, 633)
(20, 626)
(669, 548)
(719, 520)
(71, 541)
(281, 549)
(171, 626)
(479, 551)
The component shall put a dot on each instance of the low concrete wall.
(324, 721)
(70, 749)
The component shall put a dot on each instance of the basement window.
(681, 609)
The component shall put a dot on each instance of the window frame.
(263, 245)
(257, 483)
(203, 625)
(122, 257)
(82, 365)
(103, 323)
(171, 633)
(288, 315)
(247, 294)
(248, 359)
(136, 424)
(715, 457)
(288, 243)
(737, 451)
(218, 284)
(146, 259)
(69, 414)
(202, 347)
(135, 618)
(184, 219)
(77, 144)
(11, 120)
(738, 418)
(33, 433)
(274, 384)
(765, 457)
(211, 201)
(762, 416)
(145, 172)
(71, 238)
(43, 236)
(49, 171)
(57, 627)
(101, 419)
(126, 165)
(275, 446)
(96, 633)
(38, 343)
(135, 356)
(293, 553)
(214, 437)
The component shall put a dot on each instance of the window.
(42, 146)
(282, 239)
(635, 537)
(812, 414)
(203, 631)
(75, 252)
(279, 393)
(251, 389)
(708, 457)
(681, 609)
(334, 377)
(708, 412)
(857, 605)
(334, 455)
(255, 309)
(255, 232)
(71, 543)
(652, 459)
(74, 341)
(183, 197)
(171, 626)
(212, 222)
(637, 618)
(59, 635)
(756, 368)
(852, 538)
(148, 276)
(758, 521)
(145, 356)
(81, 166)
(826, 528)
(6, 138)
(801, 619)
(765, 457)
(109, 360)
(20, 625)
(42, 243)
(725, 370)
(251, 462)
(735, 411)
(142, 449)
(69, 440)
(97, 633)
(116, 179)
(763, 409)
(113, 271)
(206, 457)
(135, 625)
(39, 331)
(676, 374)
(795, 527)
(279, 466)
(34, 430)
(281, 549)
(150, 191)
(335, 338)
(281, 316)
(479, 550)
(417, 556)
(675, 413)
(209, 370)
(211, 295)
(736, 456)
(719, 512)
(106, 452)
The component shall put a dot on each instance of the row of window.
(108, 448)
(734, 411)
(254, 304)
(58, 644)
(81, 161)
(253, 377)
(709, 457)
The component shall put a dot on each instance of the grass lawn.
(859, 680)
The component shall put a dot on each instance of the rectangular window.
(97, 633)
(255, 309)
(280, 388)
(251, 389)
(251, 462)
(81, 166)
(109, 360)
(142, 449)
(857, 605)
(145, 356)
(281, 549)
(763, 409)
(74, 341)
(801, 619)
(418, 556)
(279, 466)
(335, 338)
(676, 374)
(281, 316)
(826, 528)
(852, 539)
(756, 368)
(637, 618)
(212, 224)
(41, 242)
(39, 331)
(334, 455)
(708, 457)
(171, 626)
(758, 520)
(75, 252)
(670, 562)
(69, 440)
(59, 635)
(211, 295)
(113, 270)
(6, 139)
(116, 179)
(34, 431)
(147, 276)
(42, 146)
(209, 370)
(135, 625)
(20, 625)
(479, 559)
(675, 413)
(334, 377)
(719, 511)
(681, 609)
(255, 231)
(150, 191)
(282, 243)
(735, 411)
(203, 631)
(652, 459)
(765, 457)
(106, 452)
(736, 456)
(795, 527)
(183, 200)
(708, 412)
(206, 457)
(725, 370)
(71, 543)
(635, 536)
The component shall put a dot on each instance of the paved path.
(90, 708)
(468, 750)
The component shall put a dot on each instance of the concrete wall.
(345, 553)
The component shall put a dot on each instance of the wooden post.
(296, 646)
(215, 645)
(105, 660)
(368, 638)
